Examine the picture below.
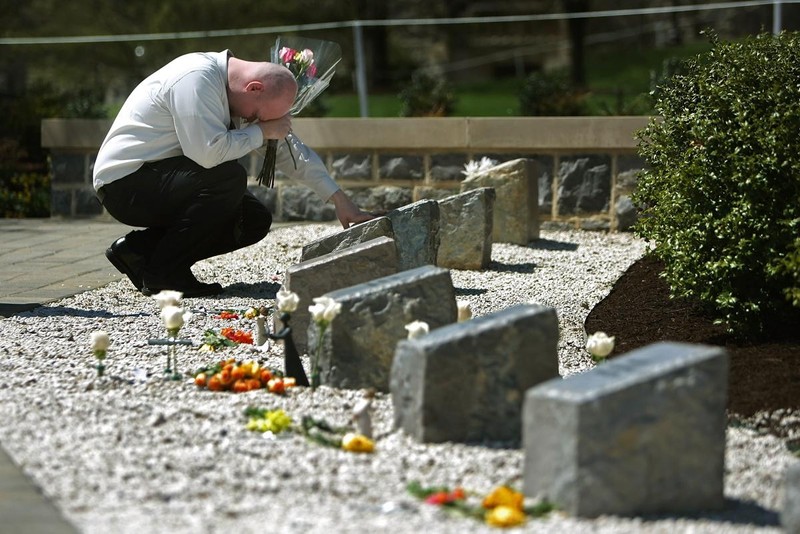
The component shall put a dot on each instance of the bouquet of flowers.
(312, 61)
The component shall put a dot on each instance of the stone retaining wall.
(586, 164)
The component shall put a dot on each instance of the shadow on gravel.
(7, 309)
(65, 311)
(735, 512)
(267, 290)
(469, 291)
(512, 267)
(549, 244)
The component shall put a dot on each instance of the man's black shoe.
(187, 284)
(127, 261)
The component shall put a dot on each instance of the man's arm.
(201, 125)
(312, 173)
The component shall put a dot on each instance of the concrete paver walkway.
(43, 260)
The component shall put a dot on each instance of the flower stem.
(315, 378)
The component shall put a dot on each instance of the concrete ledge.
(485, 134)
(74, 133)
(428, 134)
(555, 133)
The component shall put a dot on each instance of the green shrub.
(25, 195)
(427, 96)
(550, 94)
(721, 198)
(24, 186)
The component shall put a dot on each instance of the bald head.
(259, 90)
(277, 79)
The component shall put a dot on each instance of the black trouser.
(190, 212)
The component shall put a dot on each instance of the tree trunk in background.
(577, 33)
(677, 38)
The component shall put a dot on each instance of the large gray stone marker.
(380, 227)
(465, 382)
(790, 515)
(359, 344)
(415, 229)
(516, 208)
(641, 434)
(354, 265)
(465, 229)
(416, 232)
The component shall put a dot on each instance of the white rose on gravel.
(168, 297)
(600, 345)
(174, 317)
(287, 301)
(324, 309)
(464, 310)
(100, 341)
(417, 329)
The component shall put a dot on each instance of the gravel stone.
(133, 452)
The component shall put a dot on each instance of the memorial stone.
(359, 345)
(380, 227)
(516, 206)
(465, 382)
(416, 232)
(643, 433)
(354, 265)
(465, 229)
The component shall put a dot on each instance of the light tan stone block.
(516, 206)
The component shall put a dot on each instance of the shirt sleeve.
(202, 120)
(310, 170)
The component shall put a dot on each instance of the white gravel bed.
(136, 453)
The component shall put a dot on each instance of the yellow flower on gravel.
(205, 347)
(504, 496)
(505, 516)
(357, 443)
(275, 421)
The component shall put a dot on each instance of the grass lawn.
(618, 84)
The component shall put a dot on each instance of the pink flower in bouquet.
(287, 54)
(301, 63)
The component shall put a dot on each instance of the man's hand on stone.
(347, 212)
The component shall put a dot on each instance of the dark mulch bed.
(764, 375)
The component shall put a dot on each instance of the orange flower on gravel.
(240, 377)
(276, 386)
(238, 372)
(238, 336)
(446, 497)
(215, 384)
